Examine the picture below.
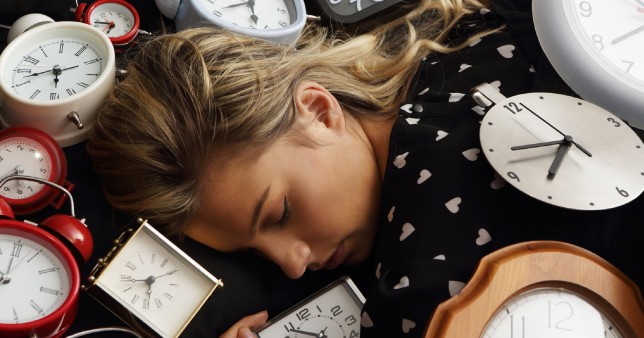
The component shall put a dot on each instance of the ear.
(316, 104)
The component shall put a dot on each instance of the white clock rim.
(287, 35)
(589, 77)
(47, 115)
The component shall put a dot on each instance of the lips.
(336, 258)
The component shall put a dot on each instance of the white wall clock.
(597, 47)
(54, 77)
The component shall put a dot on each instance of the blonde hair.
(191, 96)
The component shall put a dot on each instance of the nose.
(292, 256)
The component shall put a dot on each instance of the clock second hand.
(557, 130)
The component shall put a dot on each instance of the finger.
(242, 329)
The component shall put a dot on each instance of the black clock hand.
(236, 5)
(536, 145)
(557, 130)
(556, 163)
(51, 70)
(251, 4)
(167, 273)
(312, 334)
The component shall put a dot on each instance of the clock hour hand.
(237, 5)
(251, 4)
(628, 35)
(312, 334)
(563, 149)
(537, 145)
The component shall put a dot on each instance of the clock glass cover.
(550, 312)
(113, 19)
(263, 15)
(34, 281)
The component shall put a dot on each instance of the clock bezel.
(517, 268)
(584, 69)
(95, 287)
(84, 12)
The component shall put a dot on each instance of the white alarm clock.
(279, 21)
(54, 77)
(597, 47)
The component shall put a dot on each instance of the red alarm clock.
(39, 275)
(118, 19)
(31, 152)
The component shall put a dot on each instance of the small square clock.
(351, 11)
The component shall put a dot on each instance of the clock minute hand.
(537, 145)
(556, 163)
(312, 334)
(237, 5)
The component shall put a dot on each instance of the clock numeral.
(135, 298)
(569, 311)
(33, 96)
(629, 65)
(512, 107)
(23, 70)
(514, 176)
(32, 257)
(336, 310)
(614, 122)
(49, 291)
(70, 91)
(217, 13)
(53, 96)
(598, 41)
(622, 192)
(283, 24)
(17, 248)
(35, 306)
(43, 51)
(126, 278)
(32, 60)
(350, 320)
(82, 84)
(288, 327)
(586, 9)
(512, 326)
(146, 303)
(61, 47)
(152, 258)
(165, 261)
(130, 266)
(354, 334)
(46, 271)
(168, 296)
(91, 61)
(158, 303)
(80, 51)
(303, 314)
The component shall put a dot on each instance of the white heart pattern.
(474, 43)
(407, 107)
(498, 182)
(484, 237)
(424, 91)
(378, 270)
(412, 121)
(453, 204)
(479, 110)
(506, 51)
(496, 84)
(464, 67)
(472, 154)
(455, 97)
(423, 176)
(455, 287)
(407, 230)
(407, 325)
(400, 161)
(390, 215)
(440, 258)
(366, 321)
(441, 135)
(404, 282)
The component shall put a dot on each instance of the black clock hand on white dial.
(237, 5)
(557, 130)
(537, 145)
(55, 68)
(563, 149)
(251, 4)
(312, 334)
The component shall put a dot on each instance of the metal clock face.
(113, 19)
(596, 47)
(562, 150)
(34, 282)
(55, 69)
(332, 312)
(262, 15)
(550, 312)
(155, 282)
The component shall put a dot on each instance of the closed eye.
(286, 214)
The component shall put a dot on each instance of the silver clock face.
(332, 312)
(54, 69)
(34, 282)
(253, 14)
(550, 312)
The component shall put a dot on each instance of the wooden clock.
(542, 289)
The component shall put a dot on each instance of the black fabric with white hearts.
(444, 207)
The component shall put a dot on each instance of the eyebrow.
(257, 211)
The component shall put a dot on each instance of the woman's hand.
(243, 328)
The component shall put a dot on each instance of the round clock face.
(264, 15)
(564, 151)
(596, 47)
(34, 281)
(27, 151)
(112, 18)
(550, 312)
(332, 312)
(55, 69)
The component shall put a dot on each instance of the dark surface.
(252, 284)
